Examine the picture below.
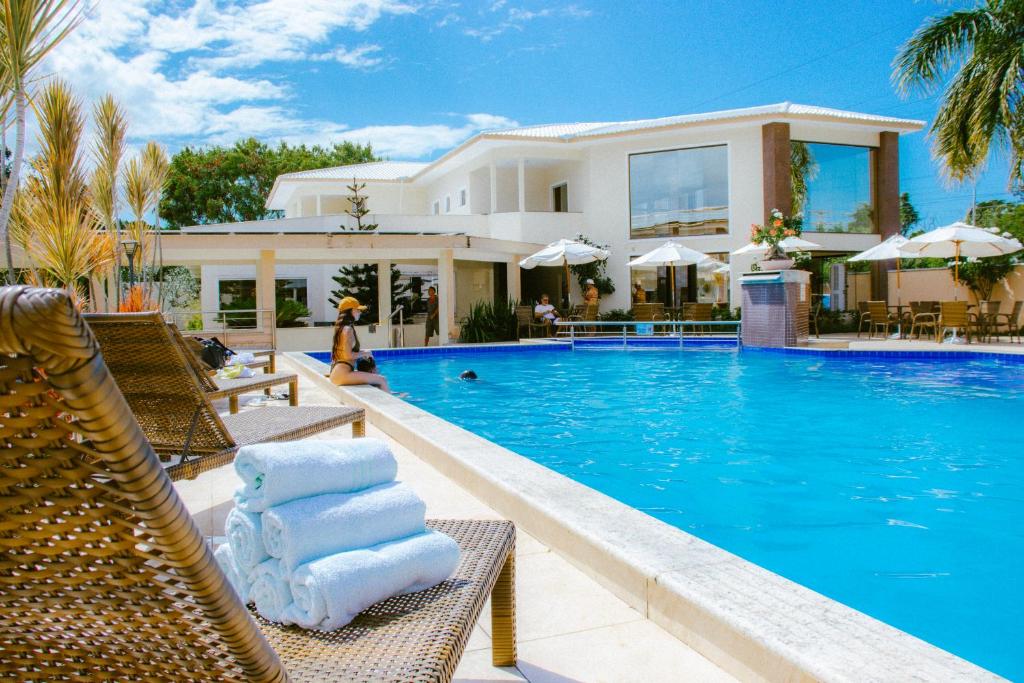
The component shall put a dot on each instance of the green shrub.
(289, 311)
(490, 322)
(616, 315)
(195, 322)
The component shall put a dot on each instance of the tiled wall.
(775, 314)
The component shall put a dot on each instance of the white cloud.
(515, 18)
(362, 57)
(185, 74)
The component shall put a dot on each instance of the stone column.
(513, 281)
(775, 156)
(384, 293)
(266, 296)
(446, 295)
(887, 206)
(319, 206)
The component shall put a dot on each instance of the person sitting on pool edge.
(545, 312)
(345, 349)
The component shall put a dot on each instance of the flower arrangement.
(776, 229)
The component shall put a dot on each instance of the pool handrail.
(571, 326)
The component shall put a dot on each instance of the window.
(291, 288)
(237, 293)
(679, 192)
(832, 186)
(463, 195)
(447, 203)
(435, 207)
(560, 198)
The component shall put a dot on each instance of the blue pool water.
(894, 486)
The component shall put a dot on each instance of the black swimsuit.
(338, 330)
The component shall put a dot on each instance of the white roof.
(567, 131)
(373, 170)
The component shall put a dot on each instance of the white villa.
(465, 220)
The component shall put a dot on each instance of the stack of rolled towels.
(321, 530)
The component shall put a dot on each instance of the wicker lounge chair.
(173, 406)
(648, 312)
(105, 576)
(118, 333)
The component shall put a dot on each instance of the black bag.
(215, 354)
(366, 364)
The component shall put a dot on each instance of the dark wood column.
(887, 204)
(775, 154)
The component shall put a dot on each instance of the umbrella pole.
(566, 262)
(672, 285)
(956, 273)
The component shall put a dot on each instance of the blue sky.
(416, 77)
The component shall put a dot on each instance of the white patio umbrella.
(788, 244)
(565, 253)
(959, 239)
(886, 251)
(671, 254)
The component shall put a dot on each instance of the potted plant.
(771, 235)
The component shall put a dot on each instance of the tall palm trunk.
(8, 198)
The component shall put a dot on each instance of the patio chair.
(648, 312)
(922, 318)
(813, 319)
(880, 318)
(865, 317)
(986, 319)
(120, 333)
(173, 405)
(953, 315)
(1008, 322)
(105, 575)
(526, 319)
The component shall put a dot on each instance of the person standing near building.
(433, 316)
(591, 295)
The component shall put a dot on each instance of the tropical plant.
(136, 300)
(981, 103)
(289, 311)
(776, 229)
(908, 215)
(155, 167)
(53, 219)
(802, 169)
(490, 322)
(29, 30)
(982, 275)
(108, 149)
(595, 270)
(357, 206)
(225, 184)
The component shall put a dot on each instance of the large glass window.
(832, 187)
(237, 293)
(292, 288)
(679, 192)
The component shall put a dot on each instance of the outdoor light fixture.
(130, 247)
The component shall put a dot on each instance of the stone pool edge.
(754, 624)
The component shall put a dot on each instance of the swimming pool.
(891, 485)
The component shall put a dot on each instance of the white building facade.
(699, 179)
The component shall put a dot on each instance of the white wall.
(391, 198)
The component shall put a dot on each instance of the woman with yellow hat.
(345, 349)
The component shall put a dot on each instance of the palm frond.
(108, 151)
(30, 29)
(935, 48)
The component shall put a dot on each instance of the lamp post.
(130, 247)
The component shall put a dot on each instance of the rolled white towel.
(310, 528)
(238, 579)
(275, 473)
(328, 593)
(270, 590)
(245, 536)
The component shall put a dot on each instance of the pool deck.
(570, 628)
(850, 340)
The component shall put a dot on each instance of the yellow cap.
(349, 302)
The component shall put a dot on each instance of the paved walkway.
(569, 627)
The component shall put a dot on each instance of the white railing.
(659, 329)
(249, 327)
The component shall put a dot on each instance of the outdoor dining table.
(900, 332)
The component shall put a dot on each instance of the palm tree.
(29, 29)
(980, 106)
